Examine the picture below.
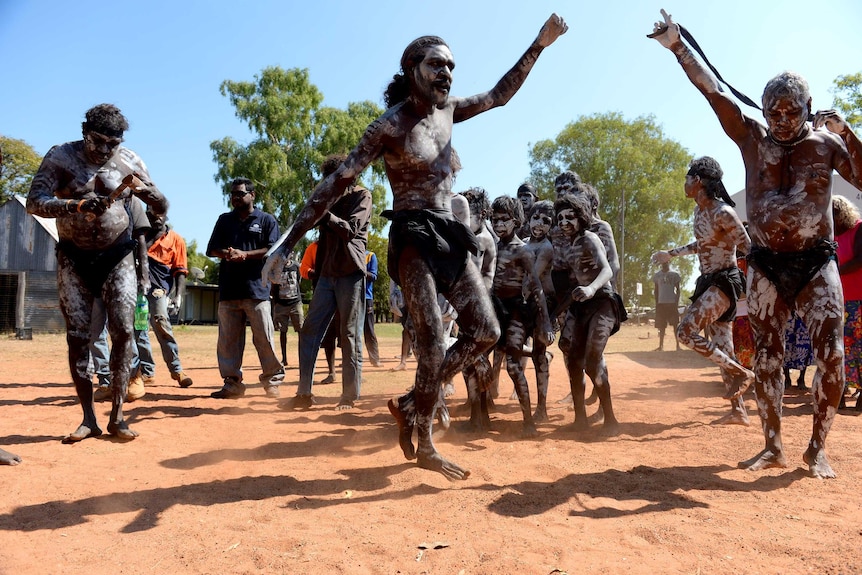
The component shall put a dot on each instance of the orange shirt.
(307, 263)
(170, 250)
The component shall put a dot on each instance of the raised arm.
(734, 122)
(849, 165)
(329, 191)
(512, 80)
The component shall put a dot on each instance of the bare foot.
(818, 465)
(611, 428)
(580, 425)
(7, 458)
(567, 399)
(344, 406)
(476, 424)
(435, 462)
(741, 383)
(529, 430)
(400, 367)
(766, 459)
(405, 430)
(732, 418)
(541, 415)
(83, 432)
(576, 427)
(122, 431)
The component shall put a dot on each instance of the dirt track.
(242, 487)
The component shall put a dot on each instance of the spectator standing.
(847, 224)
(168, 264)
(340, 266)
(286, 302)
(241, 238)
(666, 291)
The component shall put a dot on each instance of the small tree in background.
(847, 91)
(19, 162)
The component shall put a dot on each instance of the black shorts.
(666, 314)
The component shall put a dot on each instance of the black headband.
(104, 130)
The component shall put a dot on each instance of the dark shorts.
(666, 314)
(729, 281)
(511, 310)
(93, 267)
(443, 242)
(789, 272)
(285, 315)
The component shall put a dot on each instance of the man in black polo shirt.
(241, 238)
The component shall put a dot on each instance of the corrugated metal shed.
(28, 242)
(29, 301)
(28, 271)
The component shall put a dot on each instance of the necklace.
(806, 130)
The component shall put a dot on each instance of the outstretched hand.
(667, 32)
(831, 119)
(661, 257)
(553, 28)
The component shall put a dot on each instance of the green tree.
(639, 175)
(847, 91)
(202, 262)
(292, 135)
(19, 163)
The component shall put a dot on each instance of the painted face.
(476, 221)
(540, 225)
(692, 186)
(563, 188)
(99, 148)
(567, 222)
(527, 200)
(503, 224)
(433, 75)
(786, 117)
(240, 197)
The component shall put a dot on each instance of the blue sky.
(162, 62)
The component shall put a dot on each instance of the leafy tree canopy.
(19, 162)
(848, 98)
(293, 133)
(639, 174)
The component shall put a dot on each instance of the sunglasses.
(98, 140)
(240, 193)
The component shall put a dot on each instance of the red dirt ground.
(240, 486)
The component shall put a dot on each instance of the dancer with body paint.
(788, 166)
(414, 138)
(519, 315)
(591, 309)
(87, 186)
(718, 234)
